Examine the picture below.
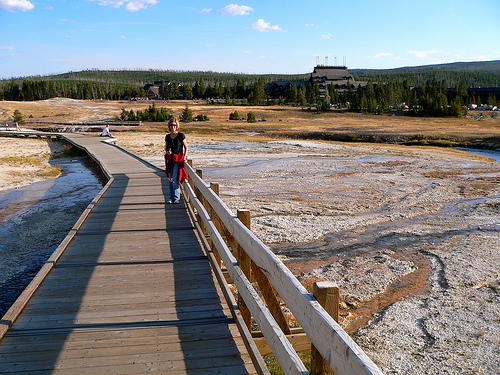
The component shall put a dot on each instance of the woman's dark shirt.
(175, 145)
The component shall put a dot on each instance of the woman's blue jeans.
(175, 190)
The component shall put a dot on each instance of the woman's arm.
(185, 144)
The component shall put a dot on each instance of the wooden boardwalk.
(132, 293)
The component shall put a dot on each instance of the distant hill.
(143, 77)
(479, 66)
(473, 74)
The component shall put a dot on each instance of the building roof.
(331, 73)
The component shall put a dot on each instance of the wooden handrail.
(284, 351)
(336, 347)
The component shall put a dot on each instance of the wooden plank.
(200, 294)
(205, 358)
(85, 338)
(299, 341)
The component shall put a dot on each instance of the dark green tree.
(323, 106)
(258, 92)
(234, 116)
(456, 107)
(240, 89)
(301, 95)
(18, 117)
(188, 91)
(187, 114)
(292, 94)
(202, 117)
(163, 90)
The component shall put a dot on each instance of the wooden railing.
(248, 261)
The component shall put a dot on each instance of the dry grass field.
(272, 121)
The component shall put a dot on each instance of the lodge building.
(322, 75)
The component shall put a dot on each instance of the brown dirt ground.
(279, 121)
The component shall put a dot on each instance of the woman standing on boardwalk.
(176, 149)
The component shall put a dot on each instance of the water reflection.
(34, 219)
(488, 153)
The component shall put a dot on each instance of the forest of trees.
(425, 92)
(28, 90)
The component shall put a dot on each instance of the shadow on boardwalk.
(132, 293)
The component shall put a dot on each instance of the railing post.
(215, 219)
(270, 297)
(199, 172)
(327, 293)
(245, 265)
(189, 182)
(249, 267)
(190, 162)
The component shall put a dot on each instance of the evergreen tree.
(301, 95)
(323, 106)
(456, 107)
(124, 114)
(18, 117)
(240, 89)
(163, 90)
(202, 88)
(219, 92)
(187, 115)
(372, 105)
(334, 94)
(188, 91)
(202, 117)
(259, 94)
(462, 91)
(292, 94)
(234, 116)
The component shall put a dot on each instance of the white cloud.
(326, 36)
(246, 52)
(424, 54)
(123, 37)
(235, 10)
(8, 56)
(206, 10)
(262, 25)
(15, 5)
(130, 5)
(475, 58)
(382, 54)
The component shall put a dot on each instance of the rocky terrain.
(411, 235)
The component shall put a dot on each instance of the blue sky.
(56, 36)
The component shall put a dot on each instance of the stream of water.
(34, 219)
